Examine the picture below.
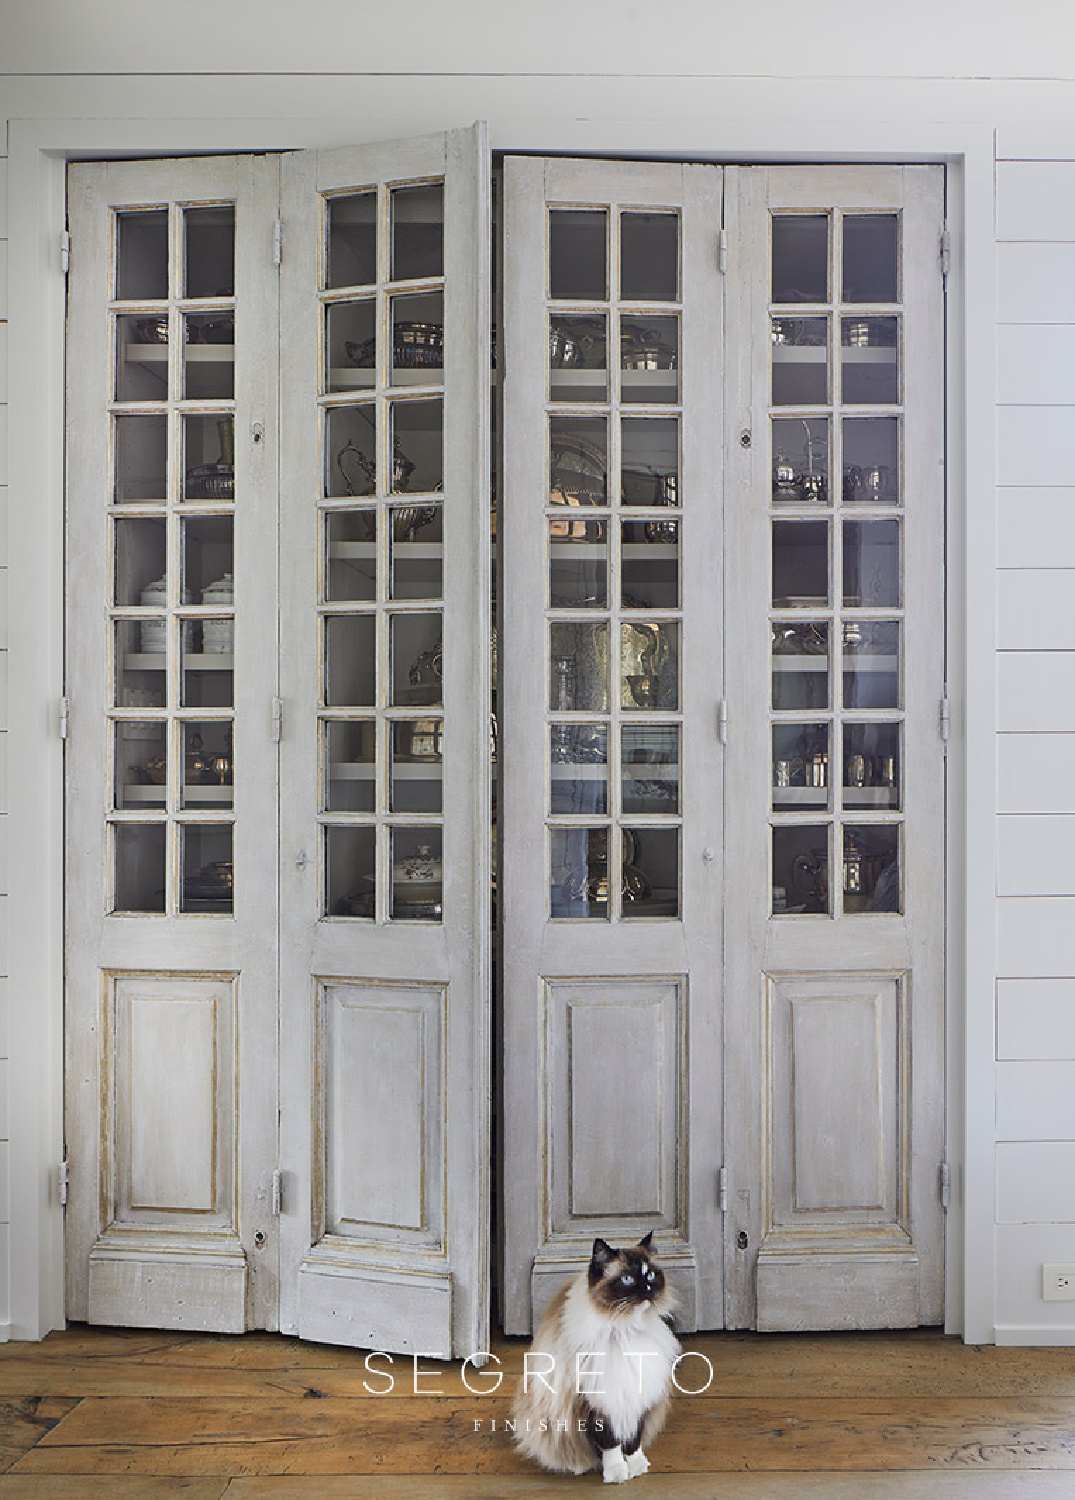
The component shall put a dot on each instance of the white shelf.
(193, 354)
(411, 551)
(351, 378)
(402, 770)
(195, 792)
(811, 796)
(820, 663)
(869, 796)
(202, 661)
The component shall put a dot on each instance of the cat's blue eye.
(627, 1281)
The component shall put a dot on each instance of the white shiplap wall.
(1035, 1054)
(4, 1137)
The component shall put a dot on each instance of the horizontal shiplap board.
(1036, 528)
(1036, 200)
(5, 1133)
(1036, 855)
(1036, 690)
(1036, 1101)
(3, 280)
(5, 1196)
(1035, 364)
(1036, 937)
(3, 689)
(3, 445)
(1036, 1182)
(3, 200)
(1022, 1250)
(1036, 283)
(3, 362)
(1034, 445)
(1035, 1019)
(3, 525)
(1036, 609)
(3, 1017)
(1036, 773)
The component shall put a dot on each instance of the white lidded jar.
(155, 632)
(218, 636)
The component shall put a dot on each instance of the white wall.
(4, 1141)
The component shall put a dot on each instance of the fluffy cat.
(572, 1412)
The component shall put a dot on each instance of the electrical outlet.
(1058, 1283)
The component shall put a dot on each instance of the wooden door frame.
(38, 150)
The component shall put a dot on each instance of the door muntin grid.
(613, 538)
(837, 591)
(381, 519)
(170, 519)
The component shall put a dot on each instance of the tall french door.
(277, 770)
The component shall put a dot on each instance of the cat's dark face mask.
(621, 1280)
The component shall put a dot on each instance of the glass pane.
(649, 461)
(208, 457)
(872, 765)
(801, 664)
(872, 664)
(649, 767)
(650, 875)
(579, 774)
(418, 339)
(578, 565)
(417, 231)
(649, 564)
(141, 559)
(871, 868)
(578, 240)
(869, 361)
(649, 665)
(418, 462)
(578, 677)
(350, 661)
(649, 257)
(350, 450)
(208, 549)
(350, 878)
(210, 252)
(140, 763)
(139, 663)
(871, 564)
(871, 460)
(649, 359)
(352, 240)
(351, 344)
(139, 855)
(208, 870)
(141, 357)
(800, 258)
(801, 868)
(578, 463)
(209, 356)
(800, 361)
(206, 665)
(350, 555)
(871, 258)
(417, 545)
(578, 872)
(141, 474)
(800, 766)
(416, 656)
(349, 751)
(142, 255)
(417, 876)
(577, 358)
(208, 767)
(801, 459)
(416, 782)
(800, 564)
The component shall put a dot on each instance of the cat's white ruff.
(633, 1357)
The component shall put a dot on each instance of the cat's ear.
(646, 1241)
(601, 1254)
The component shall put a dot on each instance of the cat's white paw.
(637, 1463)
(614, 1468)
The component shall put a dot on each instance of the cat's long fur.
(624, 1394)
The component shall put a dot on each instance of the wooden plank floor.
(128, 1414)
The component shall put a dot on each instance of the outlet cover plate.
(1058, 1283)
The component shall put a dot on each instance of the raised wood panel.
(1036, 200)
(1035, 855)
(1036, 1101)
(1036, 283)
(1035, 1018)
(1033, 445)
(1036, 691)
(1034, 365)
(1034, 773)
(1036, 1182)
(614, 1108)
(837, 1125)
(1036, 937)
(380, 1066)
(171, 1132)
(1036, 528)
